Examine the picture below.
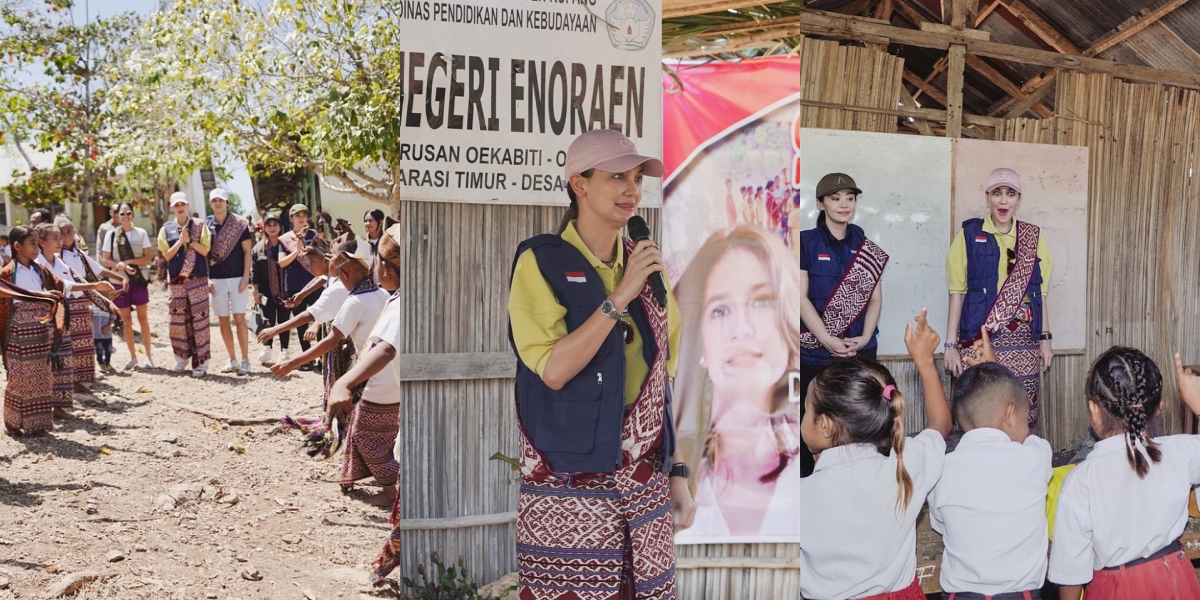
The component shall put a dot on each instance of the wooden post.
(954, 90)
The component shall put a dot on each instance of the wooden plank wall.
(459, 257)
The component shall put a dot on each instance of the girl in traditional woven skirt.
(602, 484)
(83, 269)
(50, 241)
(1122, 510)
(859, 508)
(32, 341)
(998, 274)
(840, 289)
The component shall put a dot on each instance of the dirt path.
(255, 519)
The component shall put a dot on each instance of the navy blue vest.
(827, 259)
(578, 428)
(176, 264)
(983, 256)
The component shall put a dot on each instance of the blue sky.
(239, 180)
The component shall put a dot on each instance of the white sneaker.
(201, 371)
(264, 357)
(231, 367)
(245, 370)
(147, 364)
(284, 355)
(180, 364)
(132, 364)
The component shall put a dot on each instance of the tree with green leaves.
(53, 97)
(287, 85)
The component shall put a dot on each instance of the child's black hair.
(1128, 386)
(18, 234)
(855, 395)
(977, 385)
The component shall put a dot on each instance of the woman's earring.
(702, 365)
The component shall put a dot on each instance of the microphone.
(638, 231)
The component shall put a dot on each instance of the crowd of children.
(57, 312)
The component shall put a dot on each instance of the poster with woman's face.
(726, 244)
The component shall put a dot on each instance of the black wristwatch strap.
(680, 470)
(1046, 335)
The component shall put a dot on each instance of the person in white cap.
(595, 351)
(185, 242)
(998, 274)
(229, 264)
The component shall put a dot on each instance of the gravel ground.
(254, 518)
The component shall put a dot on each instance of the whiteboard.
(904, 207)
(1054, 193)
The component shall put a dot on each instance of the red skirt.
(1168, 578)
(912, 592)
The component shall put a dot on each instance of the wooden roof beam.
(1006, 84)
(685, 8)
(839, 26)
(1041, 27)
(926, 88)
(1040, 88)
(1133, 26)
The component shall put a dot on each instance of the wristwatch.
(680, 470)
(1046, 335)
(950, 345)
(609, 309)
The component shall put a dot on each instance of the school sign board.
(496, 90)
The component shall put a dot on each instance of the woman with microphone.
(595, 351)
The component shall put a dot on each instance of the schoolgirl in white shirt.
(1122, 510)
(858, 517)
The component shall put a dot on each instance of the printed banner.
(496, 91)
(731, 156)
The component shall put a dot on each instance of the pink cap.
(608, 150)
(1003, 177)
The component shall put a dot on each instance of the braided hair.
(1128, 386)
(861, 400)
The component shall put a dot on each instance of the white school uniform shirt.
(28, 278)
(358, 315)
(330, 302)
(779, 522)
(990, 507)
(390, 329)
(61, 271)
(74, 259)
(854, 541)
(1107, 516)
(368, 313)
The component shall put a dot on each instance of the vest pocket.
(567, 421)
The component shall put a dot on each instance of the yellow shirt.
(956, 258)
(163, 246)
(538, 320)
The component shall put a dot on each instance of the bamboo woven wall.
(1143, 215)
(459, 257)
(849, 75)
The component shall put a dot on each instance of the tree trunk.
(394, 195)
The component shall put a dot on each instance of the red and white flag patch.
(576, 277)
(824, 257)
(979, 239)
